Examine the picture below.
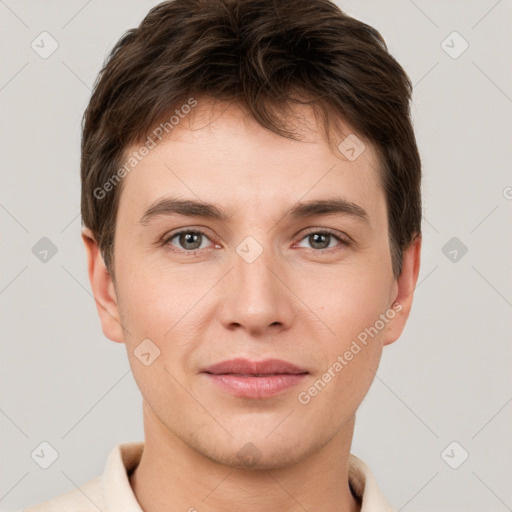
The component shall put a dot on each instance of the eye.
(321, 240)
(188, 241)
(194, 240)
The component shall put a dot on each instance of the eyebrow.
(328, 207)
(187, 207)
(193, 208)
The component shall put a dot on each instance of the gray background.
(447, 379)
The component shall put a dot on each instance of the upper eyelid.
(168, 237)
(329, 231)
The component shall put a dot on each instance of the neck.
(172, 476)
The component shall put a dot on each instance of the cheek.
(151, 305)
(154, 297)
(164, 305)
(348, 303)
(351, 356)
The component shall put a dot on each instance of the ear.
(404, 291)
(102, 289)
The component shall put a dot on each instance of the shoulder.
(110, 491)
(86, 498)
(364, 486)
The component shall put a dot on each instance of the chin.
(257, 454)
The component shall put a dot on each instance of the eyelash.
(344, 241)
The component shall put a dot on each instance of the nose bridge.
(255, 298)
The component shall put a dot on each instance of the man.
(252, 217)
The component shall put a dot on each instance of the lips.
(255, 379)
(245, 367)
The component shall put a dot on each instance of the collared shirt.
(112, 491)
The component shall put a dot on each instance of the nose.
(256, 294)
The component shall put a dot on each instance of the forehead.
(220, 154)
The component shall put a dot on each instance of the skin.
(293, 303)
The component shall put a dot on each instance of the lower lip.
(256, 387)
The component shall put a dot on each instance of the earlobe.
(103, 289)
(405, 285)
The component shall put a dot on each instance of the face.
(290, 262)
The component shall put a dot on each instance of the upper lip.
(242, 366)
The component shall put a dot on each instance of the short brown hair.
(264, 55)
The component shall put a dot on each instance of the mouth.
(255, 379)
(240, 366)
